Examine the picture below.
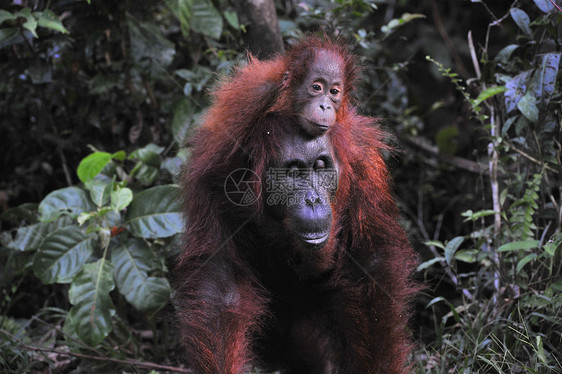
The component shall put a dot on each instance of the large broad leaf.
(206, 19)
(132, 261)
(62, 255)
(93, 308)
(30, 237)
(516, 88)
(545, 5)
(155, 213)
(149, 48)
(522, 20)
(545, 77)
(528, 106)
(70, 200)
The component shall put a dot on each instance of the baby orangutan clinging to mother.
(312, 275)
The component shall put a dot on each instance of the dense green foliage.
(97, 98)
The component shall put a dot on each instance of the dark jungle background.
(110, 89)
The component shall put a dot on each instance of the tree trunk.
(263, 37)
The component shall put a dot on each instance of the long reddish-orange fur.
(221, 304)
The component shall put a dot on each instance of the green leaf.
(544, 5)
(9, 36)
(147, 175)
(120, 155)
(516, 87)
(93, 308)
(553, 244)
(147, 171)
(150, 50)
(188, 75)
(197, 78)
(507, 125)
(99, 191)
(149, 155)
(49, 20)
(182, 9)
(522, 20)
(183, 114)
(92, 165)
(6, 16)
(435, 301)
(69, 200)
(68, 329)
(524, 261)
(173, 165)
(132, 262)
(505, 54)
(449, 304)
(469, 256)
(121, 198)
(25, 212)
(30, 237)
(446, 139)
(452, 247)
(473, 216)
(429, 263)
(30, 22)
(524, 245)
(398, 22)
(545, 76)
(155, 213)
(62, 255)
(206, 19)
(232, 19)
(489, 92)
(435, 243)
(528, 107)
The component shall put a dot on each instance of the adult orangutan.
(310, 275)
